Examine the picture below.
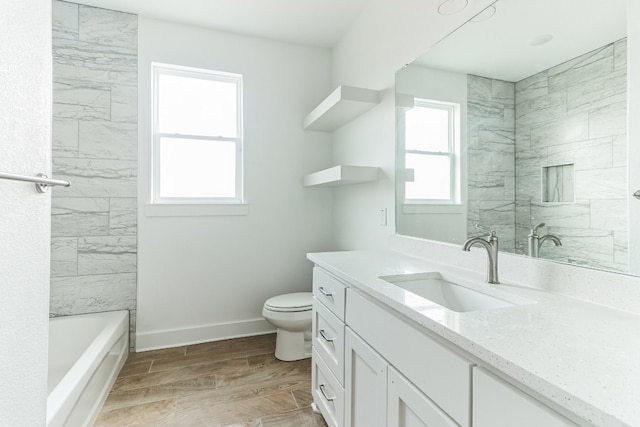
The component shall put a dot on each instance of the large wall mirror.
(517, 121)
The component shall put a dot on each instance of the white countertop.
(584, 357)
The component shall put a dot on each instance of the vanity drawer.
(330, 291)
(439, 372)
(327, 393)
(328, 339)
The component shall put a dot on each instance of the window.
(430, 154)
(197, 136)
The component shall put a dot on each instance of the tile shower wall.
(490, 154)
(575, 114)
(95, 128)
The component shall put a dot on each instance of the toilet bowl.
(291, 314)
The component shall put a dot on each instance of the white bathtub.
(86, 353)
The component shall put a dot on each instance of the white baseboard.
(146, 341)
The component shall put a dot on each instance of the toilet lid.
(299, 301)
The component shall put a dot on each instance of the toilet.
(291, 314)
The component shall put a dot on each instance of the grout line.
(295, 400)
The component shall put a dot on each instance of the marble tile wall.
(490, 154)
(95, 131)
(575, 113)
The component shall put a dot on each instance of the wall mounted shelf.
(342, 175)
(341, 106)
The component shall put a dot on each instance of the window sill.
(171, 209)
(409, 208)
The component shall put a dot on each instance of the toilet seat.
(295, 302)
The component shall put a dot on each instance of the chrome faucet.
(490, 243)
(534, 240)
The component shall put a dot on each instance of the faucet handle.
(492, 233)
(534, 230)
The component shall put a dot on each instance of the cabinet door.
(409, 407)
(365, 384)
(498, 404)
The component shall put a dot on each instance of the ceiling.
(314, 23)
(504, 46)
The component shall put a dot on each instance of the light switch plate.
(383, 217)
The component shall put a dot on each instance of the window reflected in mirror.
(431, 153)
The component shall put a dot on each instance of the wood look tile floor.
(231, 383)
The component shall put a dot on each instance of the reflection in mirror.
(518, 123)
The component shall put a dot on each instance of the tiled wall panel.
(575, 113)
(571, 114)
(490, 158)
(95, 126)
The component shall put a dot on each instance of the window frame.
(453, 153)
(158, 69)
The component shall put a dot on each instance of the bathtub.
(86, 353)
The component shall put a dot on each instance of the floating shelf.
(342, 175)
(344, 104)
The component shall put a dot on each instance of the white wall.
(25, 141)
(385, 37)
(203, 278)
(356, 208)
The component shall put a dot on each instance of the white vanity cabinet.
(373, 368)
(470, 369)
(327, 359)
(357, 343)
(497, 403)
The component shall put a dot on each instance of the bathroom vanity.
(384, 354)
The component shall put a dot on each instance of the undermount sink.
(433, 287)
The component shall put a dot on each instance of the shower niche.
(558, 184)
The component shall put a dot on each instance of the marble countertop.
(584, 357)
